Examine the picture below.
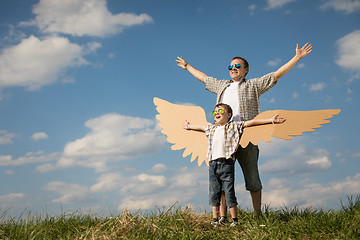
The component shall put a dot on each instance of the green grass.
(184, 223)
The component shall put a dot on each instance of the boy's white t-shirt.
(231, 98)
(218, 143)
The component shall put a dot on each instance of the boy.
(224, 137)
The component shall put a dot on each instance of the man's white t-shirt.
(231, 98)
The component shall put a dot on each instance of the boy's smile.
(221, 116)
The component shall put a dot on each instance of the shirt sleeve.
(240, 126)
(207, 130)
(215, 85)
(264, 83)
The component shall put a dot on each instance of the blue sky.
(77, 78)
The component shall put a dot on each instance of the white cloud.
(307, 193)
(145, 191)
(6, 137)
(355, 76)
(70, 193)
(39, 136)
(12, 200)
(348, 6)
(47, 167)
(295, 95)
(296, 158)
(143, 184)
(34, 62)
(82, 17)
(300, 65)
(274, 62)
(158, 168)
(9, 200)
(30, 157)
(273, 4)
(349, 51)
(107, 182)
(113, 137)
(252, 9)
(317, 86)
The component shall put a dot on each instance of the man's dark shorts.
(248, 160)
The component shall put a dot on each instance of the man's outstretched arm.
(300, 53)
(196, 73)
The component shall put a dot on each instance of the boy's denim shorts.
(248, 160)
(222, 178)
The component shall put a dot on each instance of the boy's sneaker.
(215, 224)
(223, 220)
(234, 224)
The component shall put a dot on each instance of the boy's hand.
(276, 120)
(186, 125)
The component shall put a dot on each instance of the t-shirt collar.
(242, 80)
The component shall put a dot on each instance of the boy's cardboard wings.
(172, 116)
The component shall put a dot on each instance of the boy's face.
(221, 116)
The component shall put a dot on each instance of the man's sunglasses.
(238, 65)
(220, 110)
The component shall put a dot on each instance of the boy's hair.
(226, 107)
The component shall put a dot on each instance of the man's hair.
(226, 107)
(246, 64)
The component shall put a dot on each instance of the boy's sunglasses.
(220, 110)
(238, 65)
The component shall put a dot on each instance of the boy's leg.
(233, 212)
(228, 180)
(214, 187)
(215, 211)
(223, 207)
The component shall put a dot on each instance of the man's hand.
(181, 62)
(305, 50)
(300, 53)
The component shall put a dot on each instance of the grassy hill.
(184, 223)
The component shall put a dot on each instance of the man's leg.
(256, 201)
(248, 160)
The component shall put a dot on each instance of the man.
(243, 97)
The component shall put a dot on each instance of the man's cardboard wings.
(172, 116)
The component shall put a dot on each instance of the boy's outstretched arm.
(188, 126)
(196, 73)
(274, 120)
(300, 53)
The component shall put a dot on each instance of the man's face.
(238, 73)
(221, 116)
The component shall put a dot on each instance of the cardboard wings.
(172, 116)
